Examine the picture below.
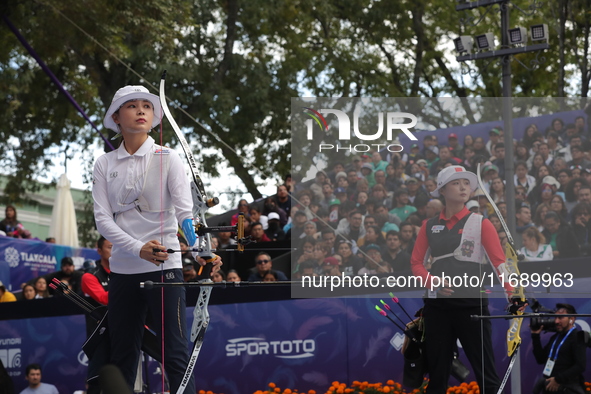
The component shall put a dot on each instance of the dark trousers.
(442, 328)
(128, 308)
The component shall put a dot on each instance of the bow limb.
(509, 272)
(200, 206)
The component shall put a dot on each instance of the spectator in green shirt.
(402, 209)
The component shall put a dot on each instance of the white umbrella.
(63, 217)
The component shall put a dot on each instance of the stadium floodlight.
(539, 32)
(464, 44)
(517, 35)
(485, 41)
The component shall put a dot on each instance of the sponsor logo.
(38, 258)
(397, 341)
(293, 349)
(82, 359)
(11, 358)
(437, 228)
(11, 256)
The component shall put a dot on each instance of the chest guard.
(143, 191)
(470, 248)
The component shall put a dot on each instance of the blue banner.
(22, 259)
(298, 344)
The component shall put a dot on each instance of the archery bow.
(513, 337)
(200, 206)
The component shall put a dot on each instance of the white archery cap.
(452, 173)
(131, 92)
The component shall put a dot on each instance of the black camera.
(548, 322)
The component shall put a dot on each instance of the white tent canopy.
(63, 217)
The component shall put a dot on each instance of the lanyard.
(557, 350)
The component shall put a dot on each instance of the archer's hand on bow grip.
(516, 305)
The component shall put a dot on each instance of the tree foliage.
(234, 64)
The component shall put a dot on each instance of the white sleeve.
(103, 214)
(548, 253)
(180, 191)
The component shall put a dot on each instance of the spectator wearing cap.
(367, 173)
(5, 295)
(374, 264)
(341, 194)
(414, 188)
(274, 231)
(473, 206)
(393, 254)
(489, 172)
(454, 146)
(494, 137)
(264, 264)
(333, 212)
(68, 275)
(402, 208)
(331, 267)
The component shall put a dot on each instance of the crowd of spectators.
(362, 215)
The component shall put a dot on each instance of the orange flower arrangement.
(390, 387)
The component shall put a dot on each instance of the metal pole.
(509, 165)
